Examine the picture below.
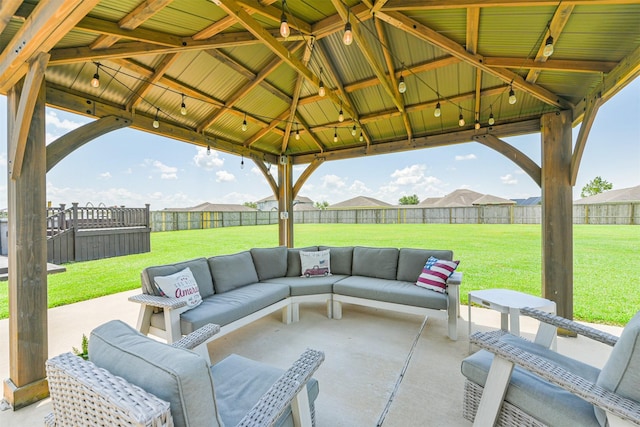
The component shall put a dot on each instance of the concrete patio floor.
(367, 351)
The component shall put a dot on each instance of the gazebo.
(292, 82)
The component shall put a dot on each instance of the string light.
(461, 119)
(341, 114)
(321, 90)
(95, 81)
(285, 31)
(242, 163)
(347, 38)
(183, 107)
(548, 47)
(353, 130)
(156, 123)
(492, 120)
(476, 124)
(335, 134)
(244, 123)
(208, 150)
(297, 133)
(512, 96)
(437, 111)
(361, 136)
(402, 87)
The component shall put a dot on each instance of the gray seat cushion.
(621, 373)
(308, 285)
(544, 401)
(375, 262)
(228, 307)
(178, 376)
(240, 383)
(232, 271)
(294, 268)
(341, 258)
(198, 267)
(390, 291)
(270, 262)
(412, 261)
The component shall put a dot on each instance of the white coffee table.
(508, 303)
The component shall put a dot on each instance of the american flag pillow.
(435, 274)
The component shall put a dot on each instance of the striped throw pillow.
(435, 274)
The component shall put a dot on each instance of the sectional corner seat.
(240, 288)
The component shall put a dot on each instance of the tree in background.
(596, 186)
(409, 200)
(322, 205)
(253, 205)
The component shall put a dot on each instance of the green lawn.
(606, 261)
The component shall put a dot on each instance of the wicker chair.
(515, 382)
(85, 394)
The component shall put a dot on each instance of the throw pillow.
(315, 264)
(181, 285)
(435, 274)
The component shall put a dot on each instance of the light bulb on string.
(353, 130)
(461, 120)
(335, 134)
(476, 124)
(285, 31)
(512, 96)
(361, 137)
(208, 150)
(244, 124)
(95, 81)
(242, 163)
(347, 37)
(156, 123)
(402, 86)
(437, 112)
(341, 114)
(297, 133)
(321, 90)
(548, 47)
(183, 107)
(492, 120)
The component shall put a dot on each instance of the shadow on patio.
(367, 351)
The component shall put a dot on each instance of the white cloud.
(3, 159)
(224, 176)
(410, 175)
(466, 157)
(105, 175)
(49, 138)
(508, 179)
(359, 187)
(166, 172)
(207, 161)
(51, 118)
(333, 182)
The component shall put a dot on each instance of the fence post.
(74, 215)
(62, 222)
(147, 215)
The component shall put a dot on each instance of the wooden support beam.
(473, 29)
(335, 23)
(312, 135)
(306, 57)
(7, 9)
(285, 201)
(68, 143)
(139, 93)
(513, 154)
(275, 122)
(379, 4)
(273, 13)
(266, 171)
(399, 5)
(557, 212)
(552, 64)
(22, 120)
(313, 166)
(43, 29)
(581, 141)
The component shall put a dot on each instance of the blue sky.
(131, 168)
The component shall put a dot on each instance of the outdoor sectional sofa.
(240, 288)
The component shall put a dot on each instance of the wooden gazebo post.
(285, 201)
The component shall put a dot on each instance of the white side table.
(508, 303)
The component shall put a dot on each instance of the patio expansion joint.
(407, 361)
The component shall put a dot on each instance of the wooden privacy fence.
(86, 233)
(626, 213)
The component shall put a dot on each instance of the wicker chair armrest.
(611, 402)
(455, 278)
(570, 325)
(197, 337)
(82, 393)
(274, 402)
(156, 301)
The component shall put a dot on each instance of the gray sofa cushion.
(390, 291)
(341, 259)
(227, 307)
(198, 267)
(308, 286)
(621, 373)
(294, 268)
(538, 398)
(270, 262)
(240, 384)
(411, 262)
(178, 376)
(232, 271)
(375, 262)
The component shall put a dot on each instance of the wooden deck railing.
(61, 219)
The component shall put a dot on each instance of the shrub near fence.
(605, 213)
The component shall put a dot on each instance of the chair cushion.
(293, 260)
(621, 373)
(412, 261)
(270, 262)
(198, 267)
(241, 382)
(178, 376)
(544, 401)
(303, 286)
(341, 259)
(375, 262)
(232, 271)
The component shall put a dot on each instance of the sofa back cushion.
(270, 262)
(341, 259)
(232, 271)
(294, 268)
(375, 262)
(178, 376)
(412, 261)
(199, 268)
(621, 373)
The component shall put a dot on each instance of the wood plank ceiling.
(220, 74)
